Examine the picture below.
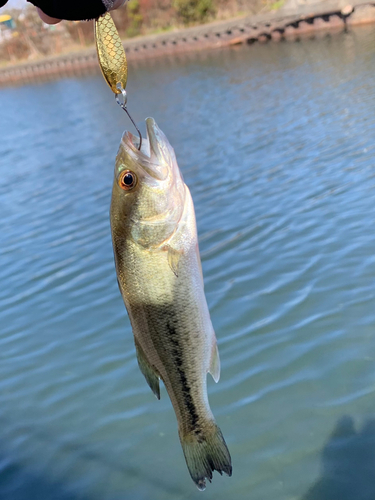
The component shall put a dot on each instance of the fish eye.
(127, 180)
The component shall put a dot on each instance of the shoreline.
(274, 26)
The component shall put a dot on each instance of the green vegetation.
(277, 5)
(135, 18)
(193, 11)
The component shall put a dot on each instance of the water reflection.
(20, 483)
(21, 479)
(348, 464)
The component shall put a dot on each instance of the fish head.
(148, 194)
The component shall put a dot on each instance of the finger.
(47, 19)
(117, 4)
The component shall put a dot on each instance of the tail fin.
(204, 453)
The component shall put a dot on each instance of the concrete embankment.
(285, 24)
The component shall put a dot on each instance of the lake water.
(276, 143)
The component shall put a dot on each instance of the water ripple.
(283, 183)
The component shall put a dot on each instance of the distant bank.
(299, 18)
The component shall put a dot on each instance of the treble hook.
(122, 104)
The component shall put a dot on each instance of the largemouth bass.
(160, 278)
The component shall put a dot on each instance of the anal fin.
(149, 373)
(214, 368)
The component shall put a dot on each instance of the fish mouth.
(155, 154)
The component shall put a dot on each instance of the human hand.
(53, 11)
(89, 9)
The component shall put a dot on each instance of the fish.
(160, 277)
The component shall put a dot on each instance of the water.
(277, 145)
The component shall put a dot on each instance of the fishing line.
(122, 105)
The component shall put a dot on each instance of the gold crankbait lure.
(111, 53)
(112, 61)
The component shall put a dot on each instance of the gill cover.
(150, 212)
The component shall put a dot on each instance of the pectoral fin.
(174, 257)
(214, 368)
(149, 373)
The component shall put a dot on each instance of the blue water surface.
(276, 143)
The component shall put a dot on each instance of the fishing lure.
(112, 61)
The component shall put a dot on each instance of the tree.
(193, 11)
